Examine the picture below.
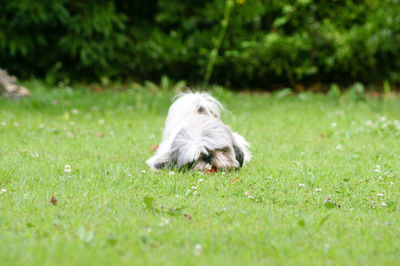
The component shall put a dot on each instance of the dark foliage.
(267, 41)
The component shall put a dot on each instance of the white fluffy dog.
(195, 138)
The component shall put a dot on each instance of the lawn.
(322, 188)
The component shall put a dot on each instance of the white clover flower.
(143, 171)
(101, 121)
(248, 195)
(197, 249)
(149, 230)
(194, 188)
(368, 123)
(41, 125)
(67, 168)
(302, 185)
(16, 124)
(377, 170)
(318, 189)
(383, 204)
(201, 180)
(3, 190)
(3, 124)
(380, 194)
(333, 124)
(75, 111)
(164, 221)
(171, 173)
(339, 147)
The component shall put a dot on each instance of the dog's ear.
(239, 154)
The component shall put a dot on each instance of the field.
(322, 188)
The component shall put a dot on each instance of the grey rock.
(9, 87)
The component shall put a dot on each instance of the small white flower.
(353, 123)
(383, 204)
(380, 178)
(72, 123)
(302, 153)
(112, 133)
(383, 119)
(171, 173)
(41, 125)
(201, 180)
(318, 189)
(194, 188)
(377, 170)
(75, 111)
(67, 168)
(302, 185)
(380, 194)
(333, 124)
(152, 136)
(16, 124)
(164, 221)
(197, 249)
(3, 190)
(269, 177)
(101, 121)
(195, 192)
(391, 183)
(339, 147)
(149, 230)
(223, 173)
(248, 195)
(3, 124)
(143, 171)
(368, 123)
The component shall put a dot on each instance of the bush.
(267, 41)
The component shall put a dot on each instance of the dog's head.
(204, 144)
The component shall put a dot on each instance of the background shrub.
(267, 41)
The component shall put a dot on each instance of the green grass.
(111, 210)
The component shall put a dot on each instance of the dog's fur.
(195, 138)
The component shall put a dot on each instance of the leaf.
(301, 223)
(53, 200)
(148, 201)
(328, 203)
(323, 220)
(280, 21)
(175, 211)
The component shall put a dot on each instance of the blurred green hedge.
(267, 41)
